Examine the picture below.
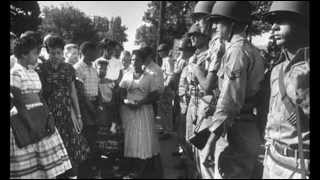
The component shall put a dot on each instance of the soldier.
(187, 50)
(287, 129)
(198, 101)
(200, 13)
(234, 140)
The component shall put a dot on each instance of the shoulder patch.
(232, 74)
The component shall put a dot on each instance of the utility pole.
(161, 19)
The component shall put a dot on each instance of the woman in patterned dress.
(141, 140)
(47, 158)
(60, 94)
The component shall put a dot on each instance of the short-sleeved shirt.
(105, 89)
(113, 69)
(138, 89)
(179, 65)
(27, 80)
(89, 76)
(296, 81)
(155, 70)
(240, 76)
(167, 67)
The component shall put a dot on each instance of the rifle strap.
(293, 119)
(290, 107)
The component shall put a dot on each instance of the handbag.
(30, 125)
(201, 132)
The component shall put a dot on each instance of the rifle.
(300, 146)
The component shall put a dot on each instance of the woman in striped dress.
(47, 158)
(141, 140)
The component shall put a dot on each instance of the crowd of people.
(214, 98)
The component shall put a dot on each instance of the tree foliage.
(68, 22)
(116, 30)
(177, 20)
(24, 16)
(76, 27)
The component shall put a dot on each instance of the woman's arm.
(74, 99)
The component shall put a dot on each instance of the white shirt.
(113, 70)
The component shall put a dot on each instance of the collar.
(88, 64)
(235, 40)
(18, 66)
(302, 54)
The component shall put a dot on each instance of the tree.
(176, 21)
(116, 30)
(24, 15)
(146, 36)
(101, 25)
(259, 9)
(68, 22)
(76, 27)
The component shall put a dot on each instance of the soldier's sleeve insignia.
(232, 74)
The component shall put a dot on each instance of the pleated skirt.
(141, 140)
(45, 159)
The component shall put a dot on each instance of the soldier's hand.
(208, 151)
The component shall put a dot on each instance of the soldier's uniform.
(240, 74)
(289, 90)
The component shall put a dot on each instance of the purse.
(201, 132)
(30, 125)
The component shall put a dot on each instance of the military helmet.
(239, 11)
(293, 8)
(202, 8)
(163, 47)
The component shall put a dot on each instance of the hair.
(148, 51)
(34, 34)
(69, 46)
(104, 43)
(87, 46)
(125, 53)
(12, 36)
(53, 42)
(140, 54)
(24, 45)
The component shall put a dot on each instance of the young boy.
(89, 76)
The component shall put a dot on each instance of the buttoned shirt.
(89, 77)
(240, 74)
(296, 82)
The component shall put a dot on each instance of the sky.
(131, 13)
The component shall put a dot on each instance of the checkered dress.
(45, 159)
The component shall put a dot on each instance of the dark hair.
(35, 34)
(87, 46)
(24, 45)
(54, 42)
(139, 53)
(147, 51)
(102, 62)
(104, 43)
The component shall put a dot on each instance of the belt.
(92, 98)
(285, 151)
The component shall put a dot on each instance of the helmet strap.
(231, 32)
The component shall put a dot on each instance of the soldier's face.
(221, 28)
(284, 32)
